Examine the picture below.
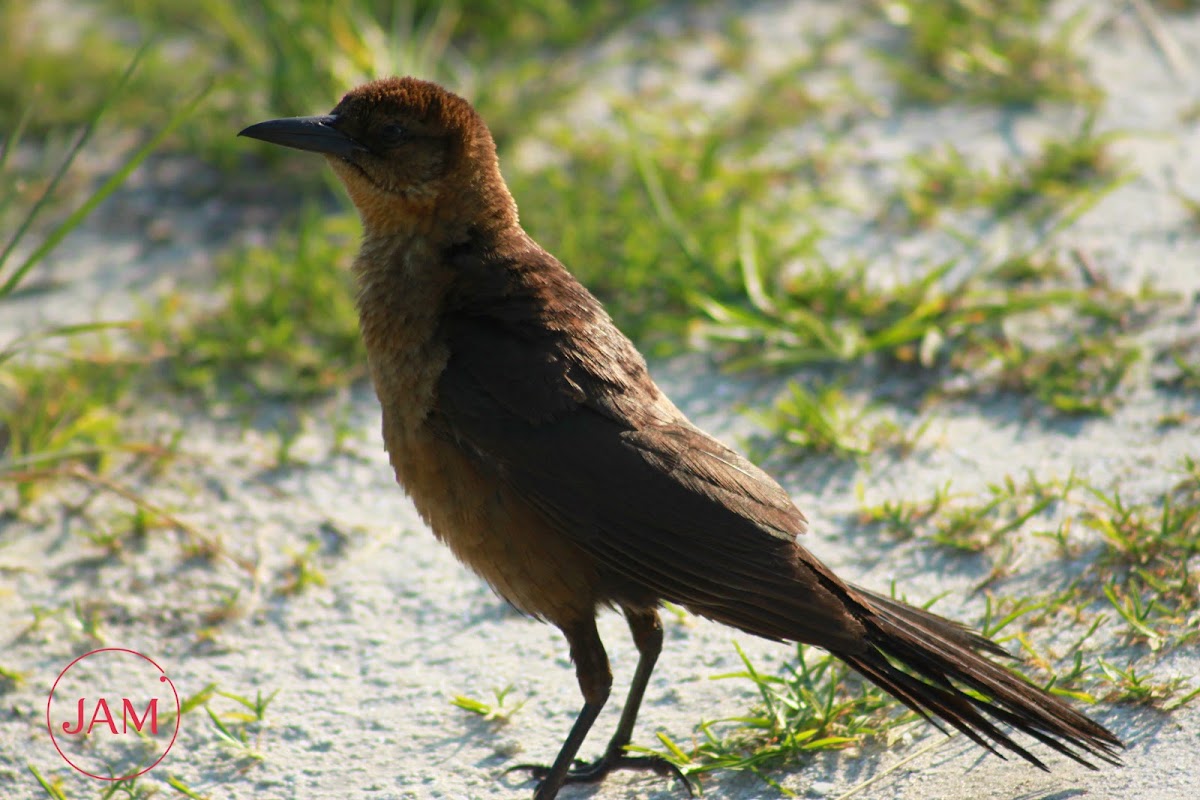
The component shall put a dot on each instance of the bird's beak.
(316, 134)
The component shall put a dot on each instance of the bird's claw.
(537, 772)
(591, 772)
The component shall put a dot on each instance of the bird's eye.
(393, 133)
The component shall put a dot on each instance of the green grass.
(673, 204)
(1127, 571)
(278, 57)
(284, 326)
(60, 399)
(814, 703)
(52, 788)
(985, 52)
(1067, 171)
(55, 417)
(1177, 5)
(1081, 376)
(961, 333)
(13, 275)
(823, 421)
(498, 711)
(1146, 565)
(970, 527)
(56, 82)
(303, 572)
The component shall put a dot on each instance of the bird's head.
(413, 156)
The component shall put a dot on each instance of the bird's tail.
(946, 677)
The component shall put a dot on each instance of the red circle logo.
(109, 714)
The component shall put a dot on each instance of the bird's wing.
(574, 426)
(560, 408)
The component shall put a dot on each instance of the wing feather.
(590, 441)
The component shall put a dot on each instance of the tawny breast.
(478, 516)
(495, 532)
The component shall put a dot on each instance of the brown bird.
(531, 438)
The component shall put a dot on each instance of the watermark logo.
(113, 714)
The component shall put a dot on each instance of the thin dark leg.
(648, 636)
(595, 681)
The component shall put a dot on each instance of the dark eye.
(392, 133)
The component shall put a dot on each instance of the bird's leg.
(595, 682)
(648, 637)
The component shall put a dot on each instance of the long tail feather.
(946, 677)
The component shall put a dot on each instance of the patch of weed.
(60, 67)
(285, 326)
(1178, 364)
(498, 711)
(53, 788)
(1140, 585)
(1065, 172)
(814, 704)
(1148, 567)
(60, 411)
(973, 527)
(303, 571)
(663, 213)
(1078, 377)
(963, 334)
(240, 730)
(52, 417)
(288, 58)
(11, 679)
(825, 421)
(985, 52)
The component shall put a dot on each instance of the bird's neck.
(399, 278)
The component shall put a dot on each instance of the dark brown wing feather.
(542, 389)
(585, 436)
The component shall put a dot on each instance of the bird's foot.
(591, 772)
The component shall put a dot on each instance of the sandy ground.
(366, 665)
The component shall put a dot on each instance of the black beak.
(316, 134)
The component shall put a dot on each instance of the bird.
(530, 436)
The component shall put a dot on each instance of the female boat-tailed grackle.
(532, 440)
